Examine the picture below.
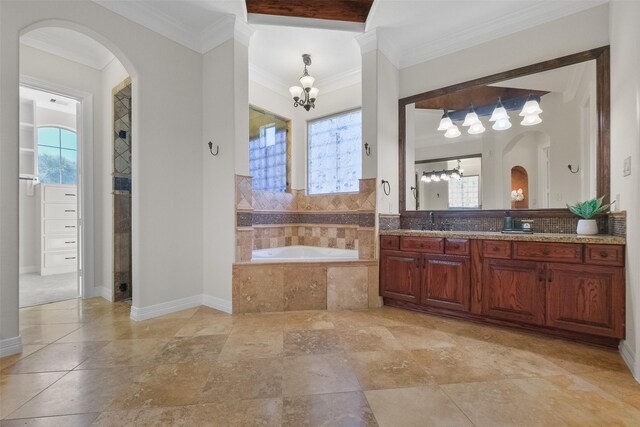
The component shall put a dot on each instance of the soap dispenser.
(507, 222)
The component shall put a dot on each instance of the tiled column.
(366, 223)
(244, 222)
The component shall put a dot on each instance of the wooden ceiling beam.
(339, 10)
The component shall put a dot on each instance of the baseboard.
(29, 269)
(10, 346)
(217, 303)
(629, 356)
(101, 291)
(168, 307)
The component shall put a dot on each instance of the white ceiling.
(412, 31)
(49, 100)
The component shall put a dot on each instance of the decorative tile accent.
(272, 201)
(121, 184)
(388, 222)
(244, 193)
(244, 219)
(366, 243)
(618, 224)
(367, 195)
(261, 218)
(122, 128)
(244, 245)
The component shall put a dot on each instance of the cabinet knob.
(422, 245)
(604, 254)
(545, 251)
(495, 249)
(456, 246)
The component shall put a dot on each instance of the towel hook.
(367, 149)
(211, 149)
(571, 169)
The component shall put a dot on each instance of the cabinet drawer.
(604, 255)
(61, 226)
(60, 259)
(496, 249)
(60, 243)
(456, 247)
(390, 242)
(60, 194)
(433, 245)
(553, 252)
(60, 211)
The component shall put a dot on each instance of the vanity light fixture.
(443, 175)
(471, 118)
(452, 132)
(530, 112)
(425, 177)
(445, 121)
(500, 117)
(476, 128)
(306, 95)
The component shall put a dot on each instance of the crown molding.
(531, 16)
(153, 19)
(375, 40)
(269, 80)
(217, 33)
(243, 32)
(339, 81)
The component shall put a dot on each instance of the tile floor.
(85, 363)
(36, 289)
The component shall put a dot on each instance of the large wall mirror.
(533, 138)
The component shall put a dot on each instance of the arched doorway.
(519, 188)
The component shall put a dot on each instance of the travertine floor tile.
(339, 409)
(308, 320)
(78, 392)
(412, 337)
(311, 342)
(388, 369)
(28, 349)
(78, 420)
(619, 384)
(17, 390)
(318, 374)
(191, 349)
(153, 328)
(252, 345)
(205, 323)
(375, 338)
(418, 406)
(56, 357)
(179, 416)
(45, 334)
(126, 353)
(243, 379)
(240, 413)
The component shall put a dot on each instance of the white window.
(464, 192)
(335, 153)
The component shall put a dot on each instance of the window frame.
(38, 144)
(479, 194)
(309, 123)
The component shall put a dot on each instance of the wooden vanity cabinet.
(571, 290)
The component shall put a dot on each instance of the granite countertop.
(492, 235)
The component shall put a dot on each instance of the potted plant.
(587, 210)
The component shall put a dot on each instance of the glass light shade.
(499, 113)
(307, 82)
(530, 108)
(452, 132)
(313, 93)
(476, 128)
(444, 176)
(470, 119)
(295, 91)
(455, 175)
(445, 123)
(435, 178)
(502, 124)
(531, 120)
(425, 178)
(461, 171)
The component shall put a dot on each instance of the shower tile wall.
(122, 190)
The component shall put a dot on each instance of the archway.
(519, 188)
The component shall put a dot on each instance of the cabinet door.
(513, 290)
(587, 299)
(446, 282)
(400, 275)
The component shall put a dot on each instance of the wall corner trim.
(10, 346)
(217, 303)
(629, 357)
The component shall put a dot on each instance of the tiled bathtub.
(328, 284)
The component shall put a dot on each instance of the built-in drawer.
(60, 243)
(433, 245)
(604, 255)
(456, 247)
(60, 211)
(553, 252)
(60, 226)
(60, 194)
(390, 242)
(60, 259)
(496, 249)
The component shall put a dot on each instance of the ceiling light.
(471, 118)
(530, 107)
(435, 178)
(425, 177)
(499, 113)
(444, 176)
(306, 95)
(530, 120)
(455, 175)
(445, 121)
(502, 124)
(476, 128)
(452, 132)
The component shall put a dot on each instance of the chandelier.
(443, 175)
(306, 95)
(530, 112)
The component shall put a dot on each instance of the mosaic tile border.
(261, 218)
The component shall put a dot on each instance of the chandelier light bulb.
(502, 124)
(445, 121)
(476, 128)
(452, 132)
(530, 120)
(471, 118)
(455, 175)
(307, 82)
(435, 178)
(531, 107)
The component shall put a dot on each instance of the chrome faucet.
(432, 222)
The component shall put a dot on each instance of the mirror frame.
(603, 111)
